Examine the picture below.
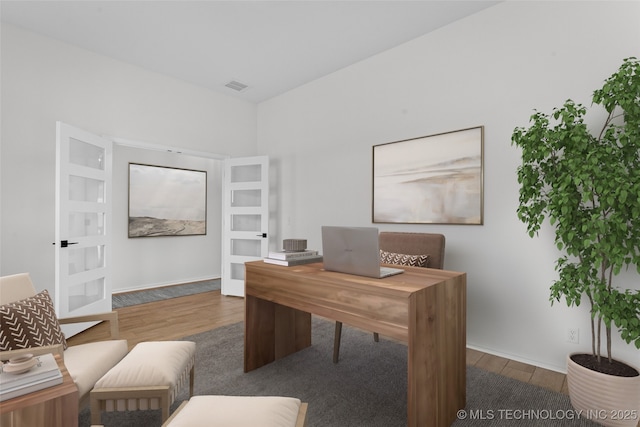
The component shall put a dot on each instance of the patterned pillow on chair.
(31, 322)
(403, 259)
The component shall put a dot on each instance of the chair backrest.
(415, 244)
(15, 288)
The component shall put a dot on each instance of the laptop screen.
(352, 250)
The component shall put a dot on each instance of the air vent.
(237, 86)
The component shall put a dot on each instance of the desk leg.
(437, 354)
(272, 331)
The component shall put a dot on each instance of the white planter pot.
(606, 399)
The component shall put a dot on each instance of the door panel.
(245, 218)
(83, 214)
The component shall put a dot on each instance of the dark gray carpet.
(157, 294)
(366, 389)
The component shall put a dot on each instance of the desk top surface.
(412, 280)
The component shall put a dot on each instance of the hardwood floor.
(179, 317)
(541, 377)
(170, 319)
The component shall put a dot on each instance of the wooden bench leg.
(175, 413)
(164, 405)
(96, 410)
(302, 415)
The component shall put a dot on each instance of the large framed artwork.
(435, 179)
(166, 201)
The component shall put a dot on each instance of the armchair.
(86, 363)
(399, 243)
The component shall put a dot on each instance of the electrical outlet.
(573, 335)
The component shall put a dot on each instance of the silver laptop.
(354, 250)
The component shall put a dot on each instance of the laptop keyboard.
(388, 271)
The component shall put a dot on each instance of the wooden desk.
(425, 308)
(51, 407)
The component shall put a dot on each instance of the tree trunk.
(599, 336)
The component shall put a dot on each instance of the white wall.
(490, 69)
(156, 261)
(44, 81)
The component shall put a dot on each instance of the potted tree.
(588, 186)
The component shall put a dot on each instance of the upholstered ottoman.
(149, 377)
(239, 411)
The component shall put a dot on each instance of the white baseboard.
(162, 284)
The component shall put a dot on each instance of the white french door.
(83, 224)
(245, 218)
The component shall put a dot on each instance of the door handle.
(263, 235)
(65, 243)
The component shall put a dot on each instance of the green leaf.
(588, 186)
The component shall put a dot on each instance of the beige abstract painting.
(436, 179)
(165, 201)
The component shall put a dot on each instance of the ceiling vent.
(237, 86)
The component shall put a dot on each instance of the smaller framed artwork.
(166, 201)
(436, 179)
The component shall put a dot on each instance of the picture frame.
(166, 201)
(435, 179)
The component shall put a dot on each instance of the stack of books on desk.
(289, 258)
(28, 374)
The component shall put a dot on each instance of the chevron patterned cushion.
(403, 259)
(31, 322)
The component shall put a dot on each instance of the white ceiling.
(271, 46)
